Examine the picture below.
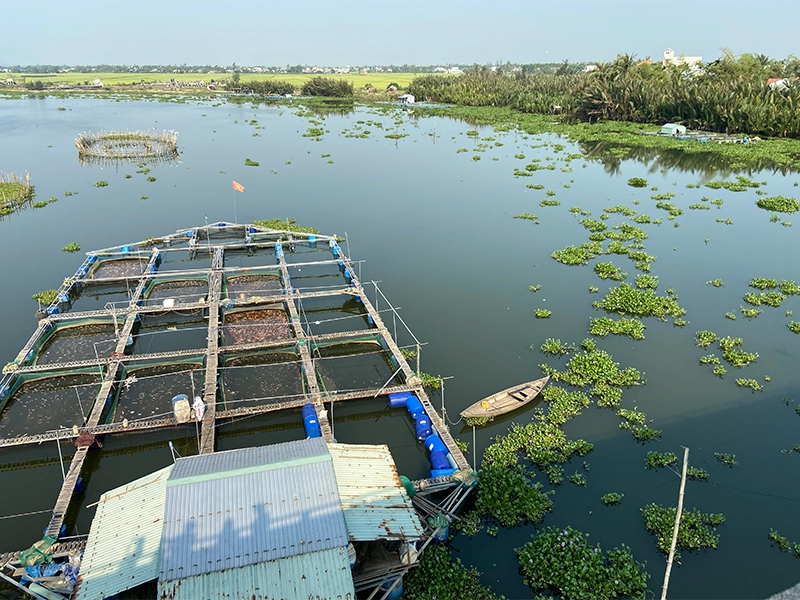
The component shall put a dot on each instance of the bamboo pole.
(677, 525)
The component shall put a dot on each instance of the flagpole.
(235, 219)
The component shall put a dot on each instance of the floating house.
(673, 129)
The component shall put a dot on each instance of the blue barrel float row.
(442, 462)
(310, 421)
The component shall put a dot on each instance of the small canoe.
(506, 401)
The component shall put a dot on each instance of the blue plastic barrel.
(78, 486)
(335, 249)
(347, 273)
(396, 592)
(435, 444)
(53, 310)
(423, 428)
(414, 406)
(442, 472)
(312, 241)
(63, 297)
(452, 461)
(310, 421)
(91, 258)
(439, 460)
(398, 399)
(125, 249)
(221, 224)
(190, 233)
(5, 392)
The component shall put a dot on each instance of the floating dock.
(210, 285)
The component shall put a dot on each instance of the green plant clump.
(779, 204)
(46, 297)
(555, 347)
(99, 184)
(794, 326)
(749, 383)
(439, 576)
(696, 530)
(561, 561)
(287, 225)
(726, 459)
(542, 313)
(612, 498)
(507, 495)
(637, 182)
(657, 460)
(71, 247)
(608, 270)
(624, 299)
(696, 474)
(602, 326)
(250, 163)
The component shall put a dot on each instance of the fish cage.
(260, 430)
(183, 261)
(333, 314)
(42, 402)
(262, 378)
(250, 287)
(146, 391)
(171, 332)
(176, 291)
(127, 145)
(107, 268)
(316, 277)
(355, 364)
(69, 341)
(95, 296)
(261, 325)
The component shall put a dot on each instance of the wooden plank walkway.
(212, 356)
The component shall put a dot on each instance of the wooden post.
(677, 525)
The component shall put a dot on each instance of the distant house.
(10, 81)
(97, 83)
(693, 62)
(673, 129)
(391, 88)
(646, 61)
(406, 99)
(780, 83)
(589, 68)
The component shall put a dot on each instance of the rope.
(35, 512)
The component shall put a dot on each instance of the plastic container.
(398, 400)
(310, 421)
(414, 406)
(91, 259)
(435, 444)
(125, 249)
(396, 592)
(452, 461)
(63, 297)
(53, 310)
(423, 428)
(439, 460)
(312, 241)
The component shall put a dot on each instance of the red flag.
(238, 186)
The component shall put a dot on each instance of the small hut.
(673, 129)
(406, 99)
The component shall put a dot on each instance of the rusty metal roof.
(124, 539)
(323, 575)
(374, 501)
(230, 510)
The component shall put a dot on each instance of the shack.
(406, 99)
(673, 129)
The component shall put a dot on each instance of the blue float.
(434, 443)
(312, 241)
(414, 406)
(91, 258)
(53, 310)
(442, 472)
(439, 460)
(310, 421)
(423, 427)
(63, 297)
(398, 399)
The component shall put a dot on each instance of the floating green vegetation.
(593, 289)
(620, 209)
(779, 204)
(612, 498)
(673, 210)
(646, 282)
(750, 313)
(709, 359)
(71, 247)
(641, 219)
(519, 156)
(555, 347)
(657, 460)
(128, 176)
(637, 182)
(720, 371)
(151, 179)
(592, 224)
(397, 136)
(696, 530)
(718, 202)
(535, 288)
(730, 315)
(705, 338)
(507, 495)
(665, 196)
(325, 155)
(794, 326)
(69, 193)
(287, 225)
(433, 382)
(608, 270)
(563, 405)
(699, 207)
(547, 202)
(724, 221)
(783, 543)
(680, 322)
(439, 576)
(528, 217)
(635, 421)
(250, 163)
(408, 353)
(696, 474)
(726, 459)
(715, 282)
(594, 367)
(563, 562)
(625, 232)
(99, 184)
(573, 255)
(762, 283)
(602, 326)
(314, 132)
(789, 287)
(578, 479)
(462, 150)
(542, 313)
(626, 300)
(740, 185)
(733, 354)
(749, 383)
(46, 297)
(476, 157)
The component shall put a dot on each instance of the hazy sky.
(356, 32)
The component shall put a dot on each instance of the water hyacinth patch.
(696, 530)
(646, 282)
(612, 499)
(572, 255)
(603, 326)
(608, 270)
(696, 474)
(779, 204)
(715, 282)
(794, 326)
(726, 459)
(749, 383)
(507, 495)
(705, 338)
(562, 561)
(657, 460)
(542, 313)
(555, 347)
(637, 182)
(592, 367)
(624, 299)
(439, 576)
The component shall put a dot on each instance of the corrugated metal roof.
(125, 537)
(213, 523)
(323, 575)
(374, 501)
(230, 460)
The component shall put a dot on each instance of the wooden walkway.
(301, 342)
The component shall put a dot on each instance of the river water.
(435, 228)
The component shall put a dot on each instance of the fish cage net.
(261, 379)
(332, 315)
(171, 332)
(91, 296)
(119, 267)
(49, 402)
(244, 287)
(355, 365)
(147, 392)
(311, 277)
(181, 291)
(128, 145)
(76, 342)
(256, 326)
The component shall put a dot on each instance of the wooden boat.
(506, 401)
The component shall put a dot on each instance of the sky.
(362, 32)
